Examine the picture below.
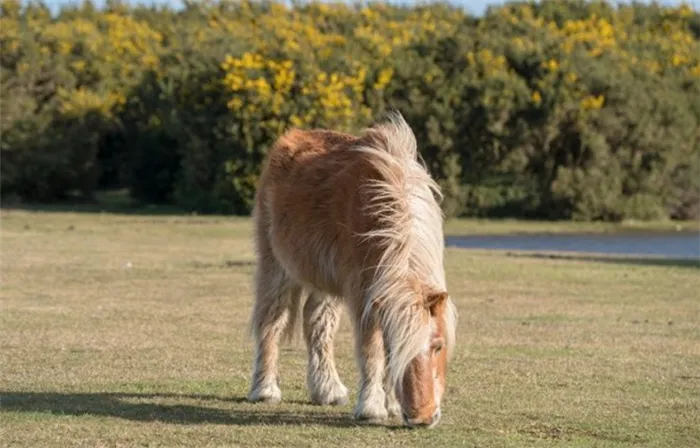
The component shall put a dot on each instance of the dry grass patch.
(132, 331)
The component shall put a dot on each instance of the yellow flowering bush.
(522, 111)
(264, 86)
(114, 48)
(74, 104)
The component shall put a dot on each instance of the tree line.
(553, 109)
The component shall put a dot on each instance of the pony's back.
(332, 200)
(311, 207)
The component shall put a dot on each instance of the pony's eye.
(438, 348)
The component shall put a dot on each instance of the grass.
(131, 330)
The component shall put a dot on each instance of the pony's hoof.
(337, 398)
(266, 394)
(337, 401)
(340, 400)
(371, 417)
(393, 408)
(265, 400)
(371, 414)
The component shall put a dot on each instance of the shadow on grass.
(638, 261)
(136, 407)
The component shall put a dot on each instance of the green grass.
(126, 331)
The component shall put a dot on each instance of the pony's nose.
(422, 422)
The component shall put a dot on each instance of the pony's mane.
(405, 203)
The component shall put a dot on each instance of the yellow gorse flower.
(592, 102)
(552, 65)
(536, 97)
(81, 101)
(384, 78)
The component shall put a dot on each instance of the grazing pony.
(352, 220)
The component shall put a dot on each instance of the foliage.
(578, 110)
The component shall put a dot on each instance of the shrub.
(575, 109)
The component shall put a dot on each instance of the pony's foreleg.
(392, 403)
(370, 356)
(321, 321)
(270, 316)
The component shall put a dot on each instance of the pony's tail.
(292, 330)
(393, 136)
(292, 303)
(391, 145)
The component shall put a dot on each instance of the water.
(672, 245)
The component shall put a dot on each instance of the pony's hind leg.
(321, 321)
(271, 312)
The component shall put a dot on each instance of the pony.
(354, 222)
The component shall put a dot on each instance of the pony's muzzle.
(422, 422)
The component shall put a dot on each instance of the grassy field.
(126, 331)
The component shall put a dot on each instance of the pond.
(672, 245)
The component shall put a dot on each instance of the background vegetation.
(568, 110)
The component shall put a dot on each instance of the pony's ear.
(433, 299)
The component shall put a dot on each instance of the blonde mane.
(406, 202)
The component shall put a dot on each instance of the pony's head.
(422, 385)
